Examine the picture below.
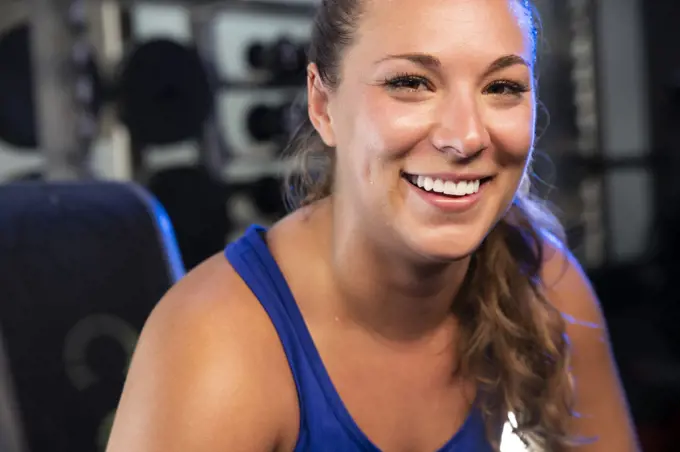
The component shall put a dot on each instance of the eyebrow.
(432, 62)
(504, 62)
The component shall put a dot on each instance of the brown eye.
(408, 82)
(506, 88)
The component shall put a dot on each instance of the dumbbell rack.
(64, 92)
(66, 125)
(257, 54)
(19, 154)
(53, 77)
(254, 89)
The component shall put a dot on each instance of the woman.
(414, 298)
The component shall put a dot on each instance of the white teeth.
(446, 187)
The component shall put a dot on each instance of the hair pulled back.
(513, 341)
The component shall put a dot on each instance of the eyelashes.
(415, 83)
(407, 81)
(510, 87)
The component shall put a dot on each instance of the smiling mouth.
(443, 187)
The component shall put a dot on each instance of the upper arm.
(600, 400)
(198, 379)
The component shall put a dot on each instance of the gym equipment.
(261, 44)
(284, 60)
(196, 205)
(277, 124)
(587, 121)
(17, 99)
(163, 93)
(17, 110)
(81, 267)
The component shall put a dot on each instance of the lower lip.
(449, 203)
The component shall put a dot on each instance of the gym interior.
(139, 137)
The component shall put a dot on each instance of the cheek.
(513, 135)
(375, 134)
(384, 128)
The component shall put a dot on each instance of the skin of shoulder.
(208, 374)
(600, 399)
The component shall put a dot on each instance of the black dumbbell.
(284, 59)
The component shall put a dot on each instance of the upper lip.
(453, 176)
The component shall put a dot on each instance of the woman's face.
(432, 121)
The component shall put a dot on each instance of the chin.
(440, 245)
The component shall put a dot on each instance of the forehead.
(448, 29)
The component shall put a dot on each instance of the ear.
(317, 105)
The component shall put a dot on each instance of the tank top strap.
(323, 417)
(251, 259)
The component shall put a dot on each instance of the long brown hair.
(513, 339)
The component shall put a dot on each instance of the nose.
(459, 130)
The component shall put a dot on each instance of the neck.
(397, 296)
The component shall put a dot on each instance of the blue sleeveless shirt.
(325, 423)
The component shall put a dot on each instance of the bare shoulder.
(600, 400)
(209, 373)
(567, 284)
(569, 289)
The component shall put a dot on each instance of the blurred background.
(194, 102)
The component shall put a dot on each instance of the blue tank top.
(325, 423)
